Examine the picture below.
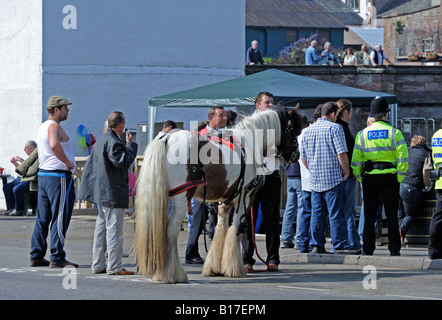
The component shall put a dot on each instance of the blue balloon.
(81, 130)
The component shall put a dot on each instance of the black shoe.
(39, 263)
(349, 251)
(8, 212)
(316, 249)
(287, 244)
(197, 260)
(395, 253)
(16, 213)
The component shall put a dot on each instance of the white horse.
(217, 168)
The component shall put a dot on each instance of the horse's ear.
(295, 109)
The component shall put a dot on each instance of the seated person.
(14, 191)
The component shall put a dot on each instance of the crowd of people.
(328, 57)
(321, 186)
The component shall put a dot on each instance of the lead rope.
(254, 244)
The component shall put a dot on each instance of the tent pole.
(393, 114)
(152, 113)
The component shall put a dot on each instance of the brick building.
(411, 26)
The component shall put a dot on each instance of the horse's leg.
(212, 265)
(232, 265)
(174, 271)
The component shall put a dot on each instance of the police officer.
(380, 162)
(435, 242)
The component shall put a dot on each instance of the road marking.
(304, 288)
(412, 297)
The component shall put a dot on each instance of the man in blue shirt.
(324, 154)
(311, 56)
(331, 57)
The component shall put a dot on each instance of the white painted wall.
(20, 78)
(120, 54)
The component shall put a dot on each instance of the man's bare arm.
(54, 138)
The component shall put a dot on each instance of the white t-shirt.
(46, 158)
(381, 56)
(305, 173)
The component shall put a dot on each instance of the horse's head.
(290, 129)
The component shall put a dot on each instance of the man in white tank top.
(56, 194)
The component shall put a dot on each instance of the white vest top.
(46, 158)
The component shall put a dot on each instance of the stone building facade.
(422, 30)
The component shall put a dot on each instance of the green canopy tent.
(286, 87)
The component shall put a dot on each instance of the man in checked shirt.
(324, 153)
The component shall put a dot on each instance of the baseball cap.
(56, 101)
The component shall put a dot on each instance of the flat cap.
(56, 101)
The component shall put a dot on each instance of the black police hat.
(379, 107)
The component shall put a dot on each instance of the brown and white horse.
(219, 168)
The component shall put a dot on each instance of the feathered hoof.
(232, 265)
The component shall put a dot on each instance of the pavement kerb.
(380, 261)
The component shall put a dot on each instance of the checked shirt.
(320, 146)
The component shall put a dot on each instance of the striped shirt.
(320, 146)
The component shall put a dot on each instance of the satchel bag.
(426, 169)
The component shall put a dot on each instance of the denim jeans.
(410, 205)
(293, 207)
(350, 211)
(14, 194)
(332, 201)
(304, 223)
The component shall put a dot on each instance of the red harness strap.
(186, 186)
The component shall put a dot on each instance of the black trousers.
(387, 186)
(435, 242)
(269, 197)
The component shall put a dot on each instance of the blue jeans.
(332, 201)
(292, 207)
(304, 223)
(350, 211)
(14, 194)
(51, 192)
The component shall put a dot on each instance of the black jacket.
(350, 140)
(105, 175)
(416, 159)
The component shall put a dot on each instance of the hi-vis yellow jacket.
(380, 142)
(436, 143)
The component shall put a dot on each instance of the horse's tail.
(151, 207)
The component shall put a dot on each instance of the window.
(290, 35)
(353, 4)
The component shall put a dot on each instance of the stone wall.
(422, 31)
(418, 89)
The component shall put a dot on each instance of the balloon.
(93, 140)
(83, 142)
(81, 130)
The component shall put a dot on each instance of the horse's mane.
(256, 136)
(264, 120)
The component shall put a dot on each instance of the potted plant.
(431, 55)
(414, 56)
